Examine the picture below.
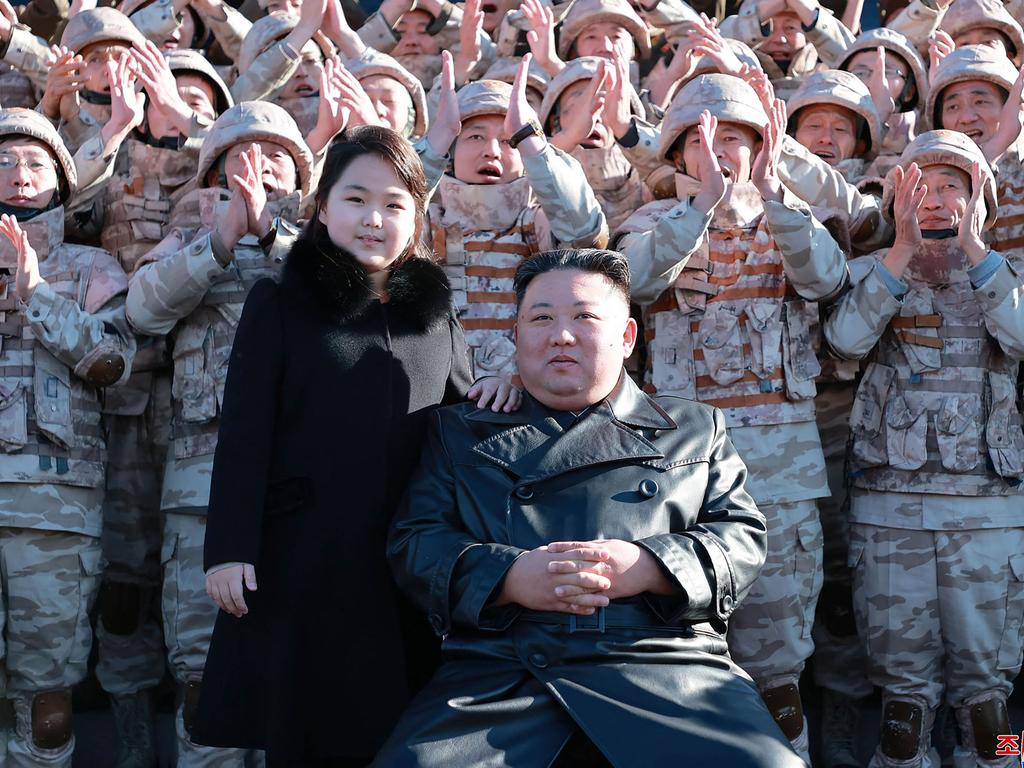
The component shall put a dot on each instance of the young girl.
(332, 375)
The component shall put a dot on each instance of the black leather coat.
(649, 678)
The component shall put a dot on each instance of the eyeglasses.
(33, 164)
(891, 73)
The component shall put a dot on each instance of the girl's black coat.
(324, 413)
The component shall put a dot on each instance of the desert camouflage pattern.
(973, 62)
(985, 14)
(28, 54)
(481, 233)
(155, 19)
(1008, 231)
(837, 88)
(940, 613)
(584, 13)
(101, 25)
(829, 38)
(188, 618)
(50, 416)
(269, 73)
(936, 410)
(618, 186)
(370, 63)
(16, 90)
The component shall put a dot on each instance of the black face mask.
(167, 142)
(22, 214)
(94, 97)
(938, 234)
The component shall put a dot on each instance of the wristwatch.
(532, 128)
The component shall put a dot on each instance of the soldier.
(716, 271)
(832, 114)
(192, 287)
(65, 336)
(898, 83)
(499, 206)
(938, 456)
(394, 92)
(572, 115)
(985, 22)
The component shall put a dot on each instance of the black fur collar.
(418, 290)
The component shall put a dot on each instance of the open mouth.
(826, 154)
(490, 172)
(489, 7)
(974, 134)
(726, 173)
(304, 90)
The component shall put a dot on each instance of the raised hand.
(446, 125)
(617, 113)
(355, 100)
(127, 104)
(63, 82)
(520, 113)
(254, 194)
(758, 80)
(586, 113)
(907, 200)
(1011, 121)
(28, 276)
(158, 81)
(712, 180)
(706, 40)
(332, 115)
(542, 36)
(336, 27)
(973, 221)
(8, 18)
(469, 53)
(764, 173)
(878, 87)
(940, 45)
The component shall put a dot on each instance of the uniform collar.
(45, 232)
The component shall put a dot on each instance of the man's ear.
(629, 337)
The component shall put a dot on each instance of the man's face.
(494, 12)
(196, 92)
(830, 132)
(949, 191)
(602, 39)
(413, 37)
(182, 37)
(862, 65)
(28, 173)
(306, 79)
(573, 332)
(972, 107)
(94, 65)
(787, 37)
(391, 100)
(987, 36)
(735, 147)
(279, 176)
(483, 156)
(569, 102)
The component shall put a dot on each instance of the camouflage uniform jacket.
(936, 411)
(376, 33)
(482, 232)
(617, 185)
(270, 72)
(731, 318)
(29, 54)
(52, 350)
(1007, 233)
(182, 290)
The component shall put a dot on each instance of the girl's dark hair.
(390, 147)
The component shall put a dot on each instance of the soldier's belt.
(917, 321)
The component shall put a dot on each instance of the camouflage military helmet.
(840, 89)
(583, 68)
(371, 63)
(31, 124)
(972, 62)
(100, 25)
(894, 42)
(505, 69)
(583, 13)
(967, 15)
(186, 60)
(256, 121)
(272, 29)
(726, 97)
(944, 148)
(484, 97)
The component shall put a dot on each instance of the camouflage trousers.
(189, 615)
(940, 612)
(128, 634)
(49, 581)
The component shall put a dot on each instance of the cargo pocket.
(809, 571)
(920, 345)
(906, 433)
(722, 345)
(867, 419)
(956, 428)
(672, 367)
(764, 326)
(13, 416)
(1003, 431)
(169, 591)
(91, 562)
(51, 395)
(799, 355)
(193, 385)
(1010, 644)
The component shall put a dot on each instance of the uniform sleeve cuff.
(41, 304)
(983, 272)
(896, 287)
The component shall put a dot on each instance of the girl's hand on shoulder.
(498, 392)
(225, 586)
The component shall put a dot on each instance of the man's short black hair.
(611, 264)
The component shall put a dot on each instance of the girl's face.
(370, 213)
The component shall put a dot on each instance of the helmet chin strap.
(95, 97)
(938, 234)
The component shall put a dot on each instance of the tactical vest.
(936, 410)
(1008, 232)
(730, 333)
(201, 343)
(615, 183)
(481, 233)
(50, 429)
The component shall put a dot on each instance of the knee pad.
(836, 606)
(120, 607)
(904, 722)
(51, 719)
(982, 719)
(190, 703)
(786, 708)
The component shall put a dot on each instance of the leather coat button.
(524, 492)
(539, 660)
(727, 604)
(648, 488)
